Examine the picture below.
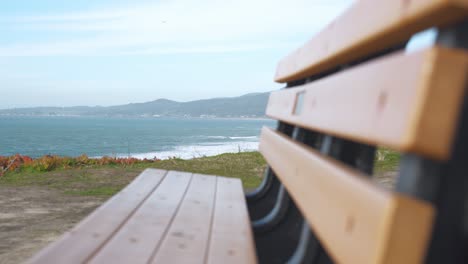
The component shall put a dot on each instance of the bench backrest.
(354, 84)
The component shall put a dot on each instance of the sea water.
(160, 138)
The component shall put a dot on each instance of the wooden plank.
(409, 102)
(136, 241)
(187, 239)
(367, 27)
(89, 235)
(231, 237)
(356, 221)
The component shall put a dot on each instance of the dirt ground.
(32, 217)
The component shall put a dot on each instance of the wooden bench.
(162, 217)
(350, 89)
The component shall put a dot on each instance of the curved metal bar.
(263, 189)
(276, 243)
(263, 202)
(308, 249)
(276, 215)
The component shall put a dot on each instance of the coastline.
(128, 137)
(185, 152)
(260, 118)
(192, 152)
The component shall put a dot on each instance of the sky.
(108, 52)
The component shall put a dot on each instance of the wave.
(228, 137)
(197, 151)
(251, 137)
(216, 137)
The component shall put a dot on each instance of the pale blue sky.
(106, 52)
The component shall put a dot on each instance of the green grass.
(386, 160)
(106, 180)
(247, 166)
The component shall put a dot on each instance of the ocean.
(160, 138)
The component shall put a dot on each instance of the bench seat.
(163, 217)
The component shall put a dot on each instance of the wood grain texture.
(187, 239)
(368, 26)
(408, 102)
(136, 241)
(231, 235)
(77, 245)
(356, 221)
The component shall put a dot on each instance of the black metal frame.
(282, 235)
(444, 184)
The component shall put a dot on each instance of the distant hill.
(249, 105)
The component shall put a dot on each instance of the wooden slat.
(77, 245)
(187, 239)
(231, 236)
(367, 27)
(356, 221)
(409, 102)
(136, 241)
(163, 221)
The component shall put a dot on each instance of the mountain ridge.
(250, 105)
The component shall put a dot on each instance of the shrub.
(13, 162)
(46, 163)
(49, 162)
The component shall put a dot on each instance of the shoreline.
(265, 118)
(186, 153)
